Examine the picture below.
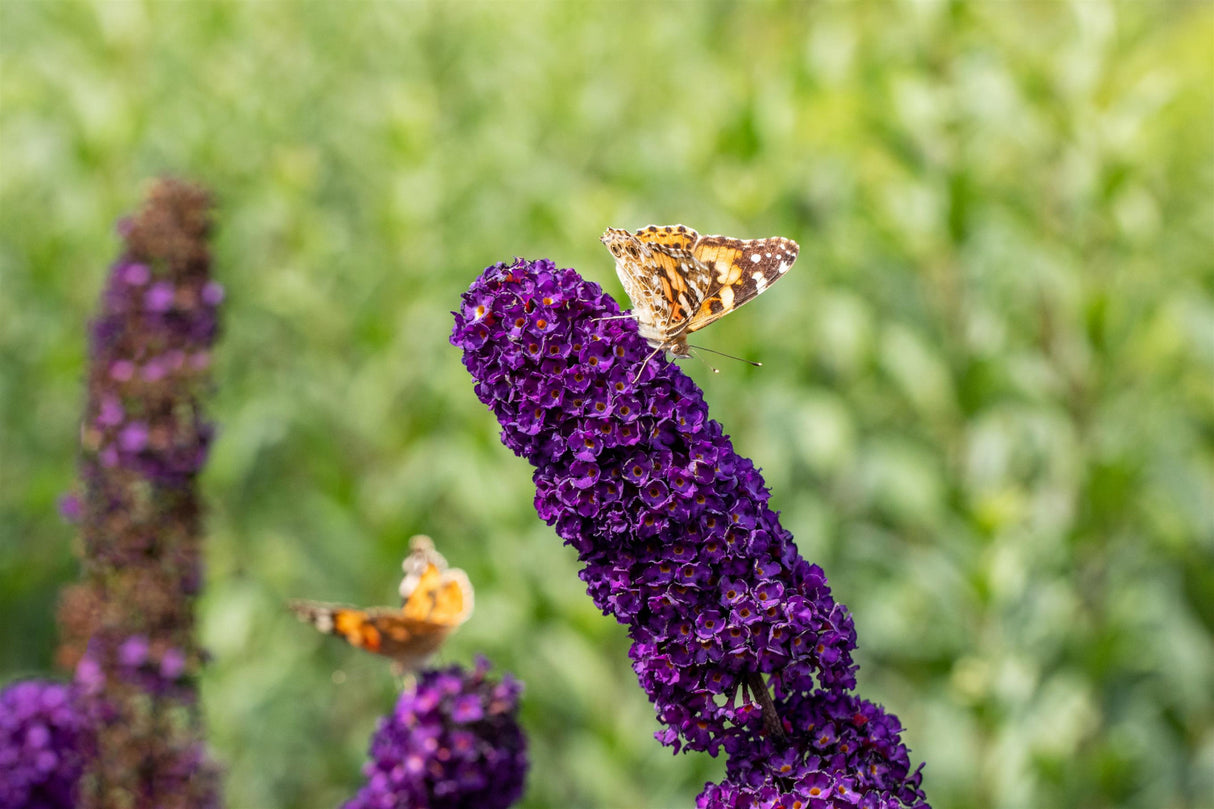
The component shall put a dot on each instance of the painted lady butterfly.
(435, 600)
(680, 281)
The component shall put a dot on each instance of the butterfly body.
(435, 601)
(679, 281)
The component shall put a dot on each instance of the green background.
(986, 406)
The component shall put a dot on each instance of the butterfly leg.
(641, 370)
(711, 367)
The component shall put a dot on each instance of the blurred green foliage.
(986, 406)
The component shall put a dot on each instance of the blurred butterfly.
(435, 600)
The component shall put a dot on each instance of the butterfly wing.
(678, 283)
(441, 598)
(430, 591)
(408, 641)
(680, 280)
(382, 631)
(679, 236)
(422, 556)
(740, 271)
(663, 279)
(355, 626)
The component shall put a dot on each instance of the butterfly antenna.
(714, 369)
(728, 356)
(625, 316)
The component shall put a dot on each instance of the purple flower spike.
(452, 742)
(44, 743)
(128, 627)
(683, 546)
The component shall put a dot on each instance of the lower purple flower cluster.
(844, 752)
(44, 743)
(453, 742)
(676, 536)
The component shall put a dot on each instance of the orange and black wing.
(442, 597)
(679, 236)
(381, 631)
(741, 270)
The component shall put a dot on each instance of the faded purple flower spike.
(143, 441)
(453, 742)
(673, 527)
(45, 740)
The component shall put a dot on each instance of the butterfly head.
(622, 244)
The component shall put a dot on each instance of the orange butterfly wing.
(680, 281)
(441, 597)
(436, 602)
(741, 269)
(678, 236)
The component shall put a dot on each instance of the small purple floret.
(70, 507)
(135, 274)
(133, 437)
(172, 664)
(133, 652)
(159, 297)
(212, 293)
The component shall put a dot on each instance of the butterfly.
(435, 600)
(680, 281)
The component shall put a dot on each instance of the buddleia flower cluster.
(453, 742)
(128, 625)
(45, 740)
(735, 637)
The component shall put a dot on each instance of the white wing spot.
(324, 621)
(760, 281)
(756, 258)
(726, 294)
(767, 255)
